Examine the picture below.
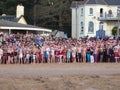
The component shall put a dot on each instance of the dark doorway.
(18, 31)
(101, 12)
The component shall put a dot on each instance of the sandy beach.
(80, 76)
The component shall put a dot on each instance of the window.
(82, 28)
(119, 32)
(101, 25)
(110, 14)
(101, 12)
(81, 11)
(91, 27)
(91, 11)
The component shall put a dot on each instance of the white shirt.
(48, 50)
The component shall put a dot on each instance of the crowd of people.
(33, 49)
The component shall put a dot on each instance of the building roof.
(95, 2)
(4, 24)
(113, 2)
(102, 2)
(10, 18)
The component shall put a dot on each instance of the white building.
(89, 16)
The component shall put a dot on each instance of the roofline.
(105, 2)
(95, 4)
(26, 28)
(85, 3)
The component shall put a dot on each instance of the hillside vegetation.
(53, 14)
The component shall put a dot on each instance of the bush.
(114, 31)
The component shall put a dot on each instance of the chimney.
(19, 10)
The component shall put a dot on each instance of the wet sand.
(81, 76)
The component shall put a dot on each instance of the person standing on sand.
(64, 52)
(10, 54)
(42, 54)
(48, 53)
(111, 53)
(108, 54)
(88, 54)
(91, 58)
(79, 54)
(73, 54)
(104, 53)
(52, 54)
(34, 54)
(1, 54)
(5, 55)
(96, 53)
(60, 54)
(20, 56)
(14, 54)
(27, 55)
(84, 49)
(68, 55)
(101, 54)
(116, 52)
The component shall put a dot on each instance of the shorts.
(33, 57)
(116, 55)
(20, 56)
(27, 56)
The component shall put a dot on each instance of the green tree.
(54, 14)
(114, 31)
